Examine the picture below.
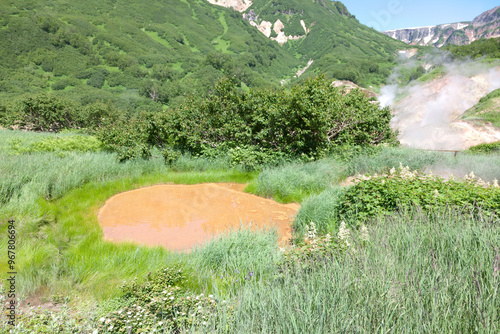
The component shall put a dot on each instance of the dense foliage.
(486, 148)
(306, 121)
(158, 303)
(489, 48)
(402, 189)
(486, 111)
(140, 56)
(47, 112)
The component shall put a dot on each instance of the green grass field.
(417, 271)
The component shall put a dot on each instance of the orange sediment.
(178, 217)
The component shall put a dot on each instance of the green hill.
(486, 111)
(140, 55)
(340, 46)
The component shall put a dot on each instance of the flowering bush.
(377, 195)
(160, 305)
(315, 248)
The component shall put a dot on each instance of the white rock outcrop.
(238, 5)
(282, 38)
(264, 27)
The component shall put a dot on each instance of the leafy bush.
(486, 148)
(64, 82)
(129, 138)
(95, 115)
(96, 80)
(304, 122)
(159, 303)
(45, 112)
(378, 195)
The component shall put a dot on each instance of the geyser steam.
(428, 117)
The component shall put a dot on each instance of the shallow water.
(180, 216)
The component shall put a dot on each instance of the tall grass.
(320, 209)
(444, 163)
(63, 247)
(233, 259)
(296, 181)
(30, 177)
(418, 274)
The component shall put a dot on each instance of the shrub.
(64, 82)
(486, 148)
(45, 112)
(304, 122)
(97, 80)
(95, 115)
(379, 195)
(128, 137)
(159, 303)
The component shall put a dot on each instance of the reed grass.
(417, 274)
(438, 272)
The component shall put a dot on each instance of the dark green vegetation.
(144, 57)
(340, 46)
(485, 148)
(489, 48)
(257, 126)
(405, 266)
(487, 111)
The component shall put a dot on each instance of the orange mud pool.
(178, 217)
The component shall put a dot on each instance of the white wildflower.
(495, 183)
(392, 171)
(102, 319)
(480, 182)
(364, 235)
(436, 193)
(328, 238)
(469, 177)
(311, 231)
(344, 234)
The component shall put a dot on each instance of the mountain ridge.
(485, 25)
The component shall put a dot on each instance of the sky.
(395, 14)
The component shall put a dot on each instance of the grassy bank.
(419, 271)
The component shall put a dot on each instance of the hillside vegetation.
(488, 48)
(141, 57)
(487, 111)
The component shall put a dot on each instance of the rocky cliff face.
(486, 25)
(279, 21)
